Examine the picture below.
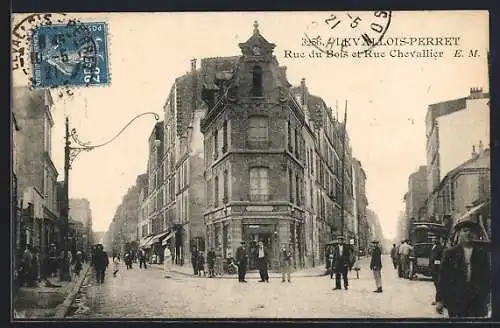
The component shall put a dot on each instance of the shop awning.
(145, 242)
(165, 240)
(156, 238)
(472, 211)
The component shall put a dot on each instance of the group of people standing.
(36, 267)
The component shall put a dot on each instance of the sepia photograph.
(227, 165)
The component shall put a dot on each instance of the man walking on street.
(464, 284)
(101, 262)
(241, 261)
(262, 262)
(376, 265)
(211, 262)
(286, 263)
(142, 259)
(404, 258)
(435, 263)
(341, 263)
(394, 256)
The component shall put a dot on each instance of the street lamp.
(70, 153)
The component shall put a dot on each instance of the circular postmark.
(347, 31)
(54, 51)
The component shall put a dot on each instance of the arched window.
(257, 81)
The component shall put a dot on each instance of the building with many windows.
(36, 175)
(273, 158)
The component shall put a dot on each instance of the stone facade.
(272, 159)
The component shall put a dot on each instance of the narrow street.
(140, 293)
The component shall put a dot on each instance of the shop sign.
(259, 208)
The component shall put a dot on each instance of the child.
(116, 265)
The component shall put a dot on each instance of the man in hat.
(464, 283)
(376, 265)
(341, 263)
(242, 261)
(262, 262)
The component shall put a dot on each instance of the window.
(209, 192)
(216, 191)
(225, 199)
(257, 82)
(290, 185)
(297, 189)
(259, 183)
(289, 136)
(296, 143)
(257, 131)
(216, 143)
(224, 137)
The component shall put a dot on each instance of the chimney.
(481, 147)
(474, 154)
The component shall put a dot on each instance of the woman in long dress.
(167, 259)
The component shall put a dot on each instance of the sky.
(387, 97)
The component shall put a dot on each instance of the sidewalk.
(254, 274)
(47, 302)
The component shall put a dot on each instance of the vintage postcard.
(251, 165)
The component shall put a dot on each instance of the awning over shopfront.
(165, 240)
(472, 211)
(156, 238)
(145, 242)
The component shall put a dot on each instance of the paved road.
(147, 293)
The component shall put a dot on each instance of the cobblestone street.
(140, 293)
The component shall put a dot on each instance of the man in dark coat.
(464, 284)
(194, 260)
(242, 261)
(101, 262)
(376, 265)
(435, 262)
(211, 262)
(262, 256)
(394, 256)
(341, 263)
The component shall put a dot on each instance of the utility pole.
(64, 272)
(342, 167)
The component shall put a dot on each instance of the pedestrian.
(101, 263)
(27, 267)
(341, 263)
(211, 262)
(116, 265)
(78, 263)
(394, 256)
(286, 256)
(142, 259)
(128, 260)
(376, 265)
(167, 260)
(404, 259)
(435, 262)
(194, 260)
(263, 262)
(464, 284)
(201, 264)
(330, 264)
(242, 261)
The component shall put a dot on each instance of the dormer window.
(257, 81)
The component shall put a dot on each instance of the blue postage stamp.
(73, 54)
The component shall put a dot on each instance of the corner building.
(254, 154)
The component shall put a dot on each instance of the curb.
(63, 308)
